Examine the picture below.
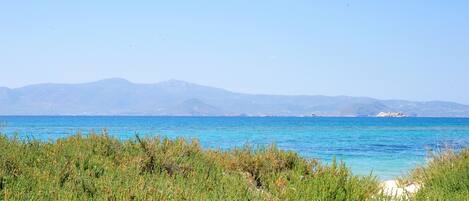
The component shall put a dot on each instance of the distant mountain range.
(121, 97)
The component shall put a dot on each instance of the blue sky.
(416, 50)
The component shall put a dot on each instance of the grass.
(444, 177)
(100, 167)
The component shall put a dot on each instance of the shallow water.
(386, 146)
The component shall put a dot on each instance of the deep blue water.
(386, 146)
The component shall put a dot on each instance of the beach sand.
(391, 188)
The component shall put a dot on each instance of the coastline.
(361, 147)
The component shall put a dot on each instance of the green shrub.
(444, 177)
(99, 167)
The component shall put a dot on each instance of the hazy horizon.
(179, 80)
(386, 50)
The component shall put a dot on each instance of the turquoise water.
(386, 146)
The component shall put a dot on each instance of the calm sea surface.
(386, 146)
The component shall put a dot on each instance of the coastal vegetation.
(101, 167)
(444, 177)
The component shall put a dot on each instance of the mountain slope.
(121, 97)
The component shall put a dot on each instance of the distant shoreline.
(120, 97)
(233, 116)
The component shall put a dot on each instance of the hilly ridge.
(120, 97)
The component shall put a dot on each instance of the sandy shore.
(392, 188)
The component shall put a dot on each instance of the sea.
(384, 147)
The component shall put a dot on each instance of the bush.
(444, 177)
(99, 167)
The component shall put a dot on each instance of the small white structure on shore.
(391, 114)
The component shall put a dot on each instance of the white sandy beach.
(392, 188)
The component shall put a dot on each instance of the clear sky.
(415, 50)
